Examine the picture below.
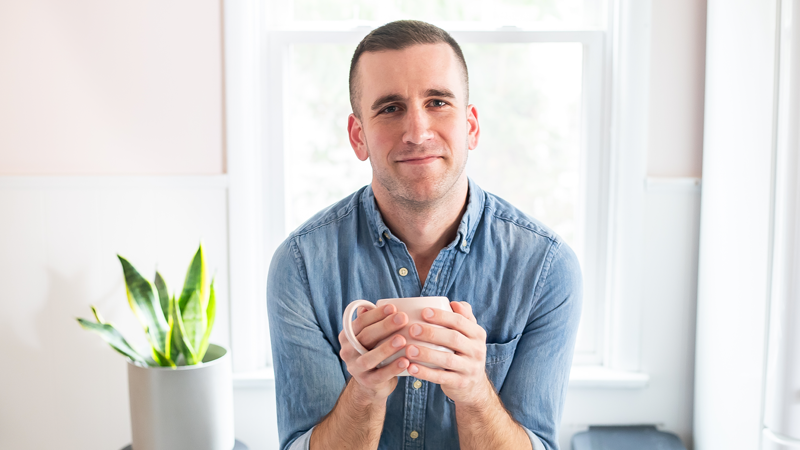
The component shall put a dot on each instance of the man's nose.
(417, 127)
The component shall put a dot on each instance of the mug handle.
(347, 322)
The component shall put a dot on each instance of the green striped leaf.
(162, 359)
(195, 323)
(176, 338)
(116, 341)
(143, 302)
(211, 313)
(97, 315)
(189, 353)
(163, 294)
(196, 280)
(169, 348)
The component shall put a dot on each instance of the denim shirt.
(523, 282)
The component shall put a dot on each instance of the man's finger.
(388, 371)
(372, 334)
(445, 337)
(445, 360)
(372, 358)
(452, 320)
(347, 352)
(465, 309)
(436, 376)
(367, 318)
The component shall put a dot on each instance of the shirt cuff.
(304, 441)
(536, 443)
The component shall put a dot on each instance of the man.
(422, 228)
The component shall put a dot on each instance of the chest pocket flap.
(498, 360)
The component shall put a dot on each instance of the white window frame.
(615, 104)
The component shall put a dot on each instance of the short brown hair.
(399, 35)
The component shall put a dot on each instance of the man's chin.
(420, 195)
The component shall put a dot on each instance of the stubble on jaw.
(444, 189)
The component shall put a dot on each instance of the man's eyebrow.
(386, 99)
(389, 98)
(440, 93)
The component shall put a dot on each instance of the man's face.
(415, 126)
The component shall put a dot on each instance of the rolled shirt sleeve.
(536, 384)
(304, 442)
(536, 443)
(305, 392)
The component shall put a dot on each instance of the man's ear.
(357, 139)
(473, 127)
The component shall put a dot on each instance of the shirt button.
(403, 271)
(417, 384)
(386, 235)
(414, 435)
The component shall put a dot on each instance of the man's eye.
(437, 103)
(389, 109)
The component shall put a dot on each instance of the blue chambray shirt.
(523, 282)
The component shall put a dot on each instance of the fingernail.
(427, 313)
(415, 329)
(413, 369)
(387, 310)
(402, 364)
(397, 319)
(412, 351)
(397, 342)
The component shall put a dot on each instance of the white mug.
(413, 307)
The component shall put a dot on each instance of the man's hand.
(463, 374)
(357, 419)
(375, 384)
(482, 420)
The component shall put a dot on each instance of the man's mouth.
(419, 160)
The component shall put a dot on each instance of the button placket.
(439, 269)
(416, 400)
(404, 267)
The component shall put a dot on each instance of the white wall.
(735, 254)
(101, 50)
(59, 237)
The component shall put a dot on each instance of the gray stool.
(640, 437)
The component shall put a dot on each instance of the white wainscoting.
(672, 218)
(60, 386)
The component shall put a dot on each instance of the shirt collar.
(464, 234)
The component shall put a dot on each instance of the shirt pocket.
(498, 361)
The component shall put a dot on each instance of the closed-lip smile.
(419, 159)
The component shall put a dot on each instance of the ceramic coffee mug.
(413, 307)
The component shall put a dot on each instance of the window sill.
(599, 377)
(255, 379)
(580, 377)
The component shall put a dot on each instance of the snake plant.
(177, 328)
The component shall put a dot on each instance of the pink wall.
(91, 87)
(677, 86)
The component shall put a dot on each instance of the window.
(539, 76)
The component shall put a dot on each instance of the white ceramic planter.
(189, 407)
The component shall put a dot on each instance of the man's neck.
(425, 229)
